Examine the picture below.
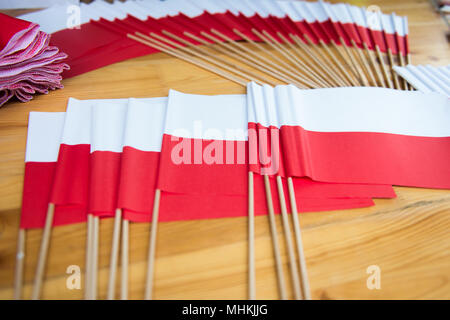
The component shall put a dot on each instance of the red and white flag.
(107, 132)
(44, 136)
(270, 154)
(205, 152)
(365, 135)
(100, 38)
(140, 157)
(140, 167)
(71, 181)
(204, 144)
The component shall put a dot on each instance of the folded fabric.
(28, 64)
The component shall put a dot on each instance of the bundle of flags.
(359, 45)
(186, 157)
(426, 78)
(28, 64)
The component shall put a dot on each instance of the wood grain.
(406, 237)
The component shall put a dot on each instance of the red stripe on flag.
(139, 173)
(186, 166)
(71, 183)
(367, 157)
(104, 182)
(38, 182)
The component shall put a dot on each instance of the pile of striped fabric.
(28, 64)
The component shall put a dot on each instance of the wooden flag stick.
(256, 60)
(317, 58)
(20, 257)
(306, 54)
(94, 257)
(194, 52)
(290, 55)
(249, 74)
(401, 60)
(320, 59)
(288, 236)
(374, 64)
(408, 61)
(88, 264)
(363, 61)
(242, 53)
(313, 61)
(300, 54)
(42, 258)
(286, 77)
(352, 76)
(188, 59)
(298, 238)
(383, 67)
(356, 70)
(114, 255)
(282, 65)
(234, 56)
(276, 248)
(124, 261)
(391, 66)
(408, 58)
(251, 239)
(273, 43)
(328, 63)
(336, 63)
(152, 247)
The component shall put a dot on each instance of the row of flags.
(101, 157)
(427, 78)
(95, 34)
(324, 135)
(28, 63)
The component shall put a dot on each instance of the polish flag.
(219, 15)
(268, 154)
(406, 31)
(139, 174)
(358, 21)
(205, 150)
(323, 20)
(140, 157)
(373, 22)
(107, 131)
(44, 135)
(400, 33)
(71, 181)
(340, 20)
(139, 166)
(95, 42)
(388, 26)
(204, 144)
(300, 17)
(365, 135)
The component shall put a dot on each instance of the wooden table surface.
(407, 237)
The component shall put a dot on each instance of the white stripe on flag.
(44, 134)
(367, 110)
(206, 117)
(108, 125)
(77, 125)
(145, 124)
